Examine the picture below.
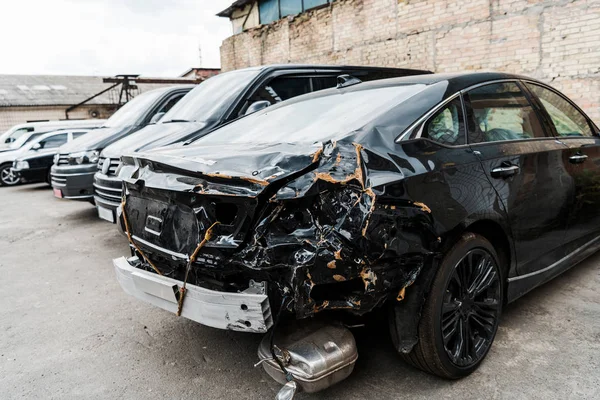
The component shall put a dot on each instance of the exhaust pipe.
(314, 354)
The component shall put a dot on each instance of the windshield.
(314, 119)
(19, 132)
(17, 144)
(133, 109)
(210, 99)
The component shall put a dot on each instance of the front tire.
(7, 178)
(461, 314)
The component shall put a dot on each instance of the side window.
(324, 82)
(284, 88)
(78, 134)
(34, 136)
(279, 89)
(447, 125)
(500, 111)
(171, 102)
(567, 120)
(54, 141)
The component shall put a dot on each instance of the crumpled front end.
(319, 233)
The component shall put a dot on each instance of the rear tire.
(461, 314)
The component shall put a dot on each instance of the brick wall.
(557, 41)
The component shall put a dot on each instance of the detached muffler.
(315, 354)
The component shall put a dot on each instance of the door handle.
(578, 158)
(505, 171)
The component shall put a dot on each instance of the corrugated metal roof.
(58, 90)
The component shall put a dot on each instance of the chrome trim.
(77, 174)
(425, 116)
(489, 83)
(110, 196)
(506, 169)
(87, 196)
(557, 263)
(107, 188)
(169, 252)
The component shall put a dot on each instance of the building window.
(272, 10)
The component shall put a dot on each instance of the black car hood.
(97, 139)
(259, 164)
(153, 136)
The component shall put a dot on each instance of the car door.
(524, 164)
(49, 147)
(581, 160)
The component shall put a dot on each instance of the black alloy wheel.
(461, 314)
(471, 308)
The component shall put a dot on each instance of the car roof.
(277, 67)
(460, 80)
(169, 89)
(455, 83)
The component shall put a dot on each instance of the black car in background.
(35, 164)
(442, 196)
(73, 172)
(218, 101)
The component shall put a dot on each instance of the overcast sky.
(109, 37)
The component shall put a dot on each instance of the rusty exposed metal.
(321, 233)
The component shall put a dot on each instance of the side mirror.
(156, 117)
(257, 106)
(9, 140)
(36, 146)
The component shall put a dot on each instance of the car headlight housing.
(21, 165)
(84, 157)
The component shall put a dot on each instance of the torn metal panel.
(310, 224)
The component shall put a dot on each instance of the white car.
(21, 134)
(42, 149)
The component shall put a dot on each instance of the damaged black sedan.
(442, 197)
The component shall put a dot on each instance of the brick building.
(200, 74)
(557, 41)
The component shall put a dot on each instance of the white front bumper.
(244, 312)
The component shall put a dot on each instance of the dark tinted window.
(500, 111)
(567, 120)
(171, 102)
(54, 141)
(447, 125)
(324, 82)
(285, 88)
